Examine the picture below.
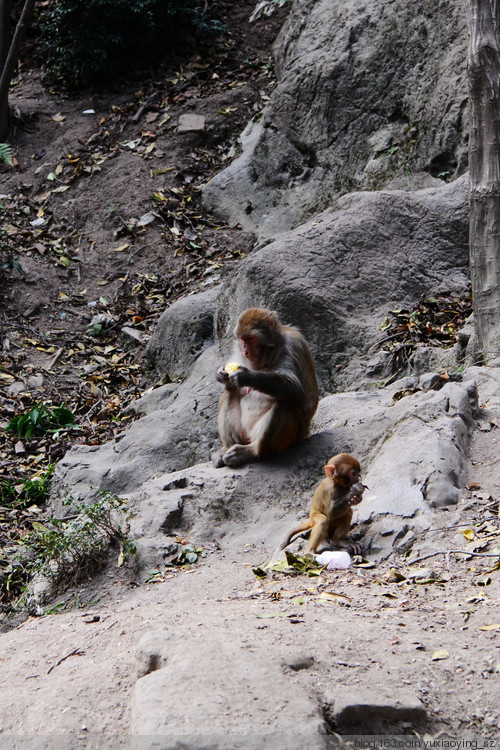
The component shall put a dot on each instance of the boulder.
(368, 96)
(413, 452)
(179, 432)
(183, 331)
(210, 692)
(338, 276)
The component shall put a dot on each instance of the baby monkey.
(331, 512)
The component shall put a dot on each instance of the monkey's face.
(249, 349)
(344, 469)
(353, 475)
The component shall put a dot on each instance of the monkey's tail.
(304, 526)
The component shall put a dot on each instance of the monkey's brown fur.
(331, 512)
(268, 403)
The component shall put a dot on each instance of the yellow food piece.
(232, 367)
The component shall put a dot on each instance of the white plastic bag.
(338, 560)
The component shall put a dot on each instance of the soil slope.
(378, 631)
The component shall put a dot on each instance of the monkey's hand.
(355, 494)
(240, 378)
(222, 375)
(230, 374)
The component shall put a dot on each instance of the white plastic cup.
(338, 560)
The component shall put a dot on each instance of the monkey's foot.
(354, 548)
(237, 455)
(217, 460)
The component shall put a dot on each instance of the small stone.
(36, 381)
(191, 124)
(16, 388)
(133, 334)
(374, 713)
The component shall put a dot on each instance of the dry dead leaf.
(337, 598)
(495, 626)
(146, 219)
(440, 654)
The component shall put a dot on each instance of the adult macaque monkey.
(270, 398)
(331, 512)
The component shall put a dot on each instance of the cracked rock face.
(412, 450)
(338, 275)
(348, 111)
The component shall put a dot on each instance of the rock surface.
(413, 451)
(184, 330)
(338, 275)
(417, 245)
(222, 678)
(367, 96)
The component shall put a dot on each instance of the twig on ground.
(75, 652)
(55, 358)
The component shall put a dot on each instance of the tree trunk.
(484, 171)
(5, 11)
(12, 52)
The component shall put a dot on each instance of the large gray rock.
(338, 275)
(413, 452)
(179, 432)
(368, 96)
(183, 332)
(209, 693)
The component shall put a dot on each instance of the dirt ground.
(72, 674)
(90, 180)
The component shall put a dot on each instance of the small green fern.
(6, 154)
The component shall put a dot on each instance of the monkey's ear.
(330, 471)
(273, 319)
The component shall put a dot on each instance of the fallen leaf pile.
(434, 322)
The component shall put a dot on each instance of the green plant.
(26, 492)
(12, 264)
(6, 250)
(85, 42)
(40, 419)
(96, 329)
(6, 154)
(66, 551)
(188, 556)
